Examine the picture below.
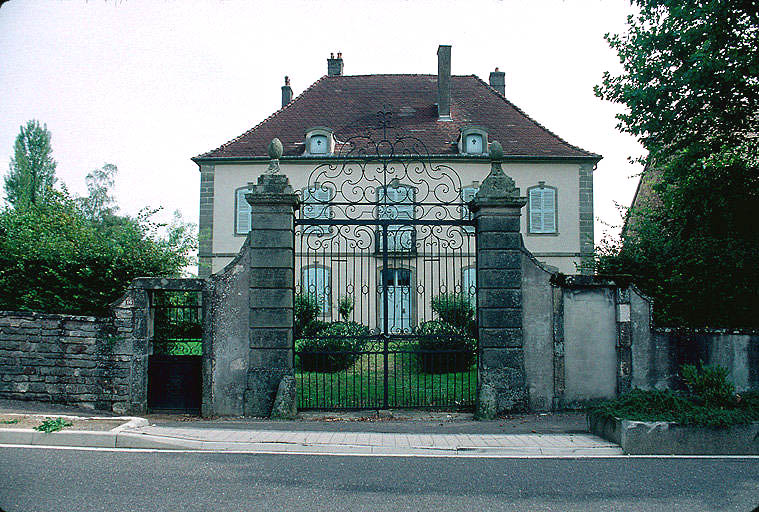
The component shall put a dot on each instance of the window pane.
(315, 281)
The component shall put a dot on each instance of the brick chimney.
(335, 65)
(287, 92)
(444, 82)
(498, 81)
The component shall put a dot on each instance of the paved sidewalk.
(375, 443)
(397, 432)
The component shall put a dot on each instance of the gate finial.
(275, 152)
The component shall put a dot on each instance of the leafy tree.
(690, 86)
(99, 202)
(32, 168)
(54, 258)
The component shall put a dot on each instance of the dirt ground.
(78, 423)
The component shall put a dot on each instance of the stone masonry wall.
(76, 360)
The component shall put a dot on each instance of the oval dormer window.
(474, 144)
(318, 145)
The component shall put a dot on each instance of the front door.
(398, 284)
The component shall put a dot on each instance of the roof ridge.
(281, 109)
(511, 104)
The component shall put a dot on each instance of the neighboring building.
(454, 116)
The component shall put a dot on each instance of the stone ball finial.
(275, 149)
(496, 150)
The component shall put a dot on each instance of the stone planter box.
(665, 438)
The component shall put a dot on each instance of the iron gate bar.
(359, 223)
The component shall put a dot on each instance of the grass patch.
(361, 385)
(53, 425)
(9, 422)
(681, 408)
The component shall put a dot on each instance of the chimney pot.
(335, 65)
(444, 82)
(498, 81)
(287, 92)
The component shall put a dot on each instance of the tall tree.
(32, 168)
(690, 86)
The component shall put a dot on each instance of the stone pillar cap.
(498, 189)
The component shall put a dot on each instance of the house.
(455, 118)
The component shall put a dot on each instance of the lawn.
(362, 384)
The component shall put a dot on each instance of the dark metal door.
(385, 258)
(175, 366)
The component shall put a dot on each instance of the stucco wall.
(560, 250)
(229, 334)
(537, 327)
(590, 334)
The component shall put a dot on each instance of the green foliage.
(53, 425)
(55, 258)
(444, 348)
(333, 348)
(690, 88)
(655, 405)
(456, 310)
(306, 312)
(9, 422)
(345, 307)
(32, 168)
(709, 385)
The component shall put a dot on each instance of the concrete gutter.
(86, 438)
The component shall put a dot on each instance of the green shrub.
(306, 311)
(709, 384)
(335, 347)
(655, 405)
(345, 307)
(444, 348)
(456, 310)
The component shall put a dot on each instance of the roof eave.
(592, 158)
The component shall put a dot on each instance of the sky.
(146, 85)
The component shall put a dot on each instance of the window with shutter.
(469, 285)
(542, 205)
(242, 212)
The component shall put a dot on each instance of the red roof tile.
(349, 105)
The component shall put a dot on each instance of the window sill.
(542, 234)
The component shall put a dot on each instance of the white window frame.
(325, 132)
(541, 218)
(469, 284)
(242, 207)
(311, 273)
(316, 205)
(473, 130)
(397, 209)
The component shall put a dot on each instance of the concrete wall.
(657, 360)
(229, 337)
(590, 335)
(537, 327)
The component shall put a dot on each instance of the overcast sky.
(146, 85)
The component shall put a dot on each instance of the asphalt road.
(44, 480)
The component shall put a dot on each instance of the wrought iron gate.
(174, 367)
(385, 286)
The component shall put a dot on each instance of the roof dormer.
(319, 142)
(473, 141)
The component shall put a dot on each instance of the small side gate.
(385, 282)
(174, 367)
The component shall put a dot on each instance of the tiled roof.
(349, 105)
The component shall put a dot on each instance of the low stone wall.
(666, 438)
(77, 360)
